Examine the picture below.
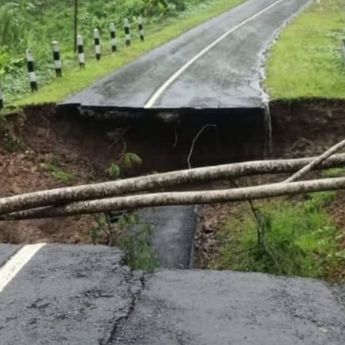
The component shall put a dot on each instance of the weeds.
(131, 235)
(53, 166)
(296, 239)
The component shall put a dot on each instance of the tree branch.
(155, 182)
(316, 162)
(181, 198)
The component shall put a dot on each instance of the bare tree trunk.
(182, 198)
(316, 162)
(155, 182)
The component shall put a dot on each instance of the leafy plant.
(114, 171)
(131, 235)
(54, 168)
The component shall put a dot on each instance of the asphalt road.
(67, 295)
(84, 295)
(216, 65)
(173, 234)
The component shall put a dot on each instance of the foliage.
(307, 61)
(137, 246)
(298, 239)
(129, 234)
(129, 164)
(53, 166)
(114, 171)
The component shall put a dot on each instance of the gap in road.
(178, 139)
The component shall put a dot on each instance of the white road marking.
(173, 78)
(17, 262)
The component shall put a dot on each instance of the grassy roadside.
(298, 238)
(75, 80)
(307, 61)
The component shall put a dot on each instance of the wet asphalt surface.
(6, 251)
(85, 295)
(173, 234)
(227, 76)
(67, 295)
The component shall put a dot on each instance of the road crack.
(136, 284)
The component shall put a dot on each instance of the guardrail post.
(1, 98)
(113, 37)
(127, 28)
(81, 54)
(141, 28)
(343, 48)
(57, 59)
(97, 44)
(31, 70)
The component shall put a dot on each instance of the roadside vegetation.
(293, 237)
(35, 24)
(308, 61)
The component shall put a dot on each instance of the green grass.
(57, 172)
(307, 61)
(75, 80)
(300, 239)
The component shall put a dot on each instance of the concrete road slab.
(218, 308)
(67, 295)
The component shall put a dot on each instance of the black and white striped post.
(81, 54)
(127, 28)
(1, 98)
(113, 37)
(31, 70)
(141, 29)
(97, 38)
(57, 59)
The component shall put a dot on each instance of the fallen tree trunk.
(156, 182)
(181, 198)
(316, 162)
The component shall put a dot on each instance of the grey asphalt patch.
(6, 252)
(207, 307)
(67, 295)
(172, 239)
(228, 76)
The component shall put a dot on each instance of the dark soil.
(30, 145)
(300, 129)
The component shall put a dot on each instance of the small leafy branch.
(127, 165)
(128, 233)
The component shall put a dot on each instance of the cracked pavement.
(85, 295)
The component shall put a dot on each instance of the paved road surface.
(173, 234)
(83, 295)
(66, 295)
(216, 65)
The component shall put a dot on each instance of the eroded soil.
(300, 129)
(40, 150)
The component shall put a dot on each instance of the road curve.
(216, 65)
